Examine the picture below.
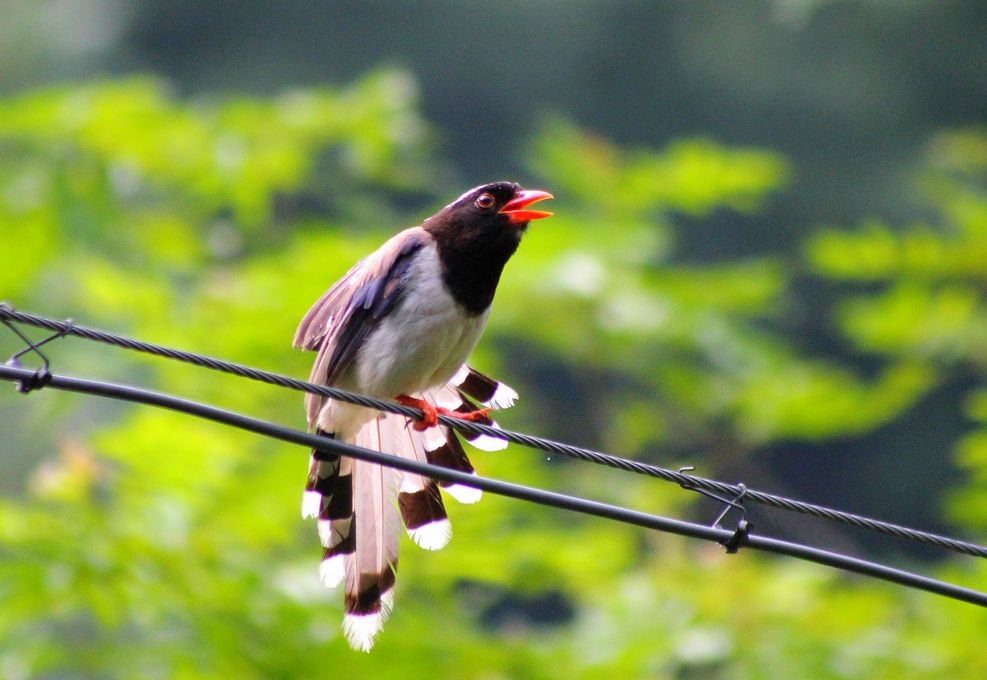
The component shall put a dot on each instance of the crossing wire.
(731, 540)
(690, 482)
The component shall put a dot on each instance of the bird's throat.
(472, 271)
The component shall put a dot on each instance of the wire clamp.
(739, 539)
(41, 377)
(35, 381)
(744, 527)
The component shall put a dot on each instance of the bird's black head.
(477, 233)
(499, 206)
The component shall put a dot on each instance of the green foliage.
(918, 293)
(691, 339)
(691, 176)
(151, 545)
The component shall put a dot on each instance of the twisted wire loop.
(40, 377)
(686, 481)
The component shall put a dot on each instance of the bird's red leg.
(431, 413)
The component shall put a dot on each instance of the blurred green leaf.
(148, 544)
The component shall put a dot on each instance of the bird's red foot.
(430, 417)
(429, 413)
(472, 416)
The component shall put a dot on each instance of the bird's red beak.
(515, 208)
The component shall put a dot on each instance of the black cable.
(495, 486)
(689, 482)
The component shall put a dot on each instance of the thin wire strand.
(686, 481)
(731, 540)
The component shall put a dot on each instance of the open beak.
(515, 208)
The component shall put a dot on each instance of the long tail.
(360, 506)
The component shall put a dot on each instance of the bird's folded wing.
(341, 320)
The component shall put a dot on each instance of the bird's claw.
(430, 414)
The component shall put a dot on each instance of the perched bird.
(400, 325)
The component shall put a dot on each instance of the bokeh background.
(768, 260)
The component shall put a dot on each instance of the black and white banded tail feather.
(371, 568)
(484, 389)
(360, 506)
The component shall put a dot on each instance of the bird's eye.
(485, 201)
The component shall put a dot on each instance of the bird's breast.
(423, 341)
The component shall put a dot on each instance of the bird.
(400, 325)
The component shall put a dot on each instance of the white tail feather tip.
(360, 630)
(331, 571)
(466, 495)
(411, 483)
(433, 536)
(433, 438)
(386, 604)
(486, 443)
(503, 397)
(311, 504)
